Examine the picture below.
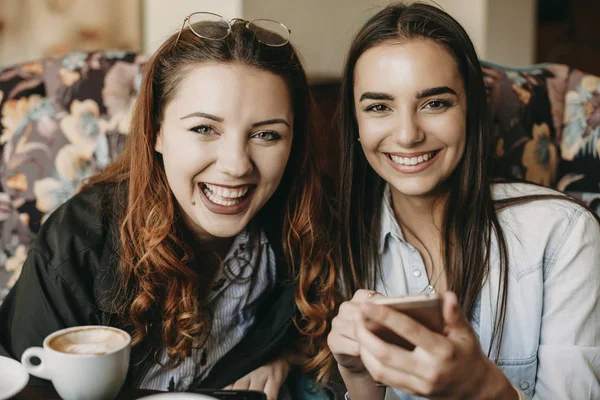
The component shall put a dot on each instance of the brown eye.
(437, 104)
(377, 108)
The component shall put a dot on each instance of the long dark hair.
(163, 300)
(470, 221)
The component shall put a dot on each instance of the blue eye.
(377, 108)
(267, 136)
(204, 130)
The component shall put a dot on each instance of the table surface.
(47, 392)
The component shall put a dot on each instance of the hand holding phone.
(424, 308)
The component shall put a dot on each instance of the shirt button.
(524, 385)
(417, 273)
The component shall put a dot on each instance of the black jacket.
(68, 280)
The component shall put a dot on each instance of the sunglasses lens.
(209, 26)
(269, 32)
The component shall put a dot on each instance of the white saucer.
(178, 396)
(13, 378)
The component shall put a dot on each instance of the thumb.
(452, 313)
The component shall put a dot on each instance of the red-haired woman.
(206, 240)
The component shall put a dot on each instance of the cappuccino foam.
(89, 341)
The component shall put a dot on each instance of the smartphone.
(232, 394)
(426, 308)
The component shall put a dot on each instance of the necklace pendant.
(430, 288)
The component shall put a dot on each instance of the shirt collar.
(243, 242)
(389, 225)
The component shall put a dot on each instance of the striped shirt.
(249, 273)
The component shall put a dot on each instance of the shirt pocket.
(521, 373)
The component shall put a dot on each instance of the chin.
(219, 226)
(415, 189)
(224, 231)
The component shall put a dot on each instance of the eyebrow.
(254, 125)
(271, 122)
(436, 91)
(376, 96)
(203, 115)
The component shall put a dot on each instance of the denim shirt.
(551, 341)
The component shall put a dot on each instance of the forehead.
(223, 87)
(408, 66)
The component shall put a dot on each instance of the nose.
(407, 131)
(233, 158)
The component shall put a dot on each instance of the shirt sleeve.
(569, 350)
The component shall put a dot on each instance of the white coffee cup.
(83, 362)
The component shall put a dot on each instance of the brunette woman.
(518, 265)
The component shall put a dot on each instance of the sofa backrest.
(65, 119)
(546, 125)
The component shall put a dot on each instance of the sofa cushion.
(580, 141)
(526, 112)
(54, 138)
(21, 90)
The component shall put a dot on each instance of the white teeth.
(220, 195)
(227, 192)
(413, 160)
(212, 197)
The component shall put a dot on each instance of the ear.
(158, 142)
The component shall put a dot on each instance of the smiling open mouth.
(225, 196)
(410, 161)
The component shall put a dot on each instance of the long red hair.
(161, 299)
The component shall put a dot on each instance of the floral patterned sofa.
(63, 119)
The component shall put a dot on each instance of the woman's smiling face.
(225, 140)
(411, 109)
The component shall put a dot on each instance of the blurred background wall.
(507, 32)
(30, 29)
(503, 30)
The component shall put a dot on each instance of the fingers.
(266, 379)
(390, 376)
(271, 388)
(348, 310)
(258, 383)
(394, 366)
(362, 295)
(241, 384)
(454, 318)
(342, 329)
(343, 345)
(386, 353)
(403, 326)
(275, 378)
(345, 327)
